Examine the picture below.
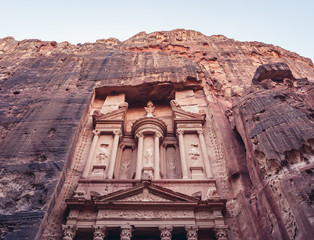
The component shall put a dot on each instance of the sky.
(288, 24)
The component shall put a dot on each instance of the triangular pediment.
(146, 193)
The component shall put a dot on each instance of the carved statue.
(123, 105)
(175, 104)
(150, 109)
(212, 191)
(148, 157)
(103, 156)
(79, 194)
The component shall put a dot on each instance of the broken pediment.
(146, 193)
(111, 117)
(180, 114)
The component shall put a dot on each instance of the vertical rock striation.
(46, 87)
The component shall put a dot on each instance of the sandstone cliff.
(263, 120)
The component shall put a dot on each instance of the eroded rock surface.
(275, 120)
(46, 87)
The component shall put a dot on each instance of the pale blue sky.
(288, 24)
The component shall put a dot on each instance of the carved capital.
(165, 232)
(99, 232)
(69, 232)
(126, 232)
(221, 233)
(96, 132)
(191, 232)
(117, 132)
(180, 132)
(139, 135)
(200, 132)
(158, 134)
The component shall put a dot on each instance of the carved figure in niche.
(103, 156)
(125, 168)
(150, 109)
(148, 157)
(194, 154)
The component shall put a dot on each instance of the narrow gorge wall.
(260, 126)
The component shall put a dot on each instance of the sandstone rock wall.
(46, 87)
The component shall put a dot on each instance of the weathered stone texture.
(46, 87)
(275, 120)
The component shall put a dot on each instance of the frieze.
(204, 215)
(149, 126)
(145, 214)
(190, 125)
(106, 126)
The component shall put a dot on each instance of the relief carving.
(203, 215)
(194, 154)
(145, 214)
(171, 164)
(103, 156)
(125, 168)
(145, 196)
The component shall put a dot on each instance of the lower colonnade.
(128, 232)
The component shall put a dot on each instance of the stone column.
(68, 232)
(191, 232)
(89, 162)
(221, 233)
(165, 232)
(208, 169)
(126, 232)
(139, 155)
(157, 159)
(114, 151)
(182, 154)
(99, 232)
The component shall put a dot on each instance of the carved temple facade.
(148, 172)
